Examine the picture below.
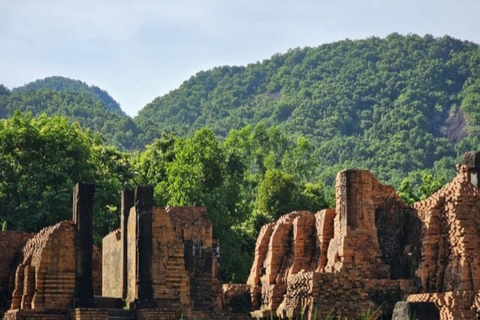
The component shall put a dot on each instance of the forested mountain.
(249, 143)
(65, 84)
(391, 105)
(82, 106)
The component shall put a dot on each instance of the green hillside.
(391, 105)
(249, 143)
(117, 129)
(65, 84)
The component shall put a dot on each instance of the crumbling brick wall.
(11, 244)
(451, 240)
(45, 280)
(359, 196)
(450, 258)
(182, 257)
(453, 305)
(311, 264)
(283, 248)
(183, 266)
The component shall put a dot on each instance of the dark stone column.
(83, 196)
(472, 161)
(144, 209)
(127, 204)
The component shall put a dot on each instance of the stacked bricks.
(88, 314)
(156, 314)
(258, 269)
(280, 256)
(45, 280)
(183, 262)
(112, 266)
(355, 242)
(452, 305)
(26, 314)
(170, 278)
(450, 255)
(332, 261)
(194, 229)
(11, 244)
(450, 263)
(324, 227)
(294, 244)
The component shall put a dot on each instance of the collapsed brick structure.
(372, 251)
(45, 271)
(369, 252)
(181, 267)
(162, 261)
(341, 260)
(450, 266)
(16, 251)
(11, 244)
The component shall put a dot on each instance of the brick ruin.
(11, 244)
(341, 261)
(371, 253)
(40, 272)
(161, 264)
(180, 267)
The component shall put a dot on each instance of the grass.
(367, 315)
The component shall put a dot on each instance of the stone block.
(415, 310)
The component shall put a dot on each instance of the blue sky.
(138, 50)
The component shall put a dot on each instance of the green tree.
(41, 160)
(277, 194)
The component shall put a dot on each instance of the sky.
(139, 50)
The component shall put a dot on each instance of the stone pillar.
(472, 161)
(83, 196)
(127, 204)
(144, 209)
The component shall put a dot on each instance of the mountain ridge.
(411, 100)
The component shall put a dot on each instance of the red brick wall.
(11, 243)
(45, 280)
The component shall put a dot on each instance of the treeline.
(404, 107)
(252, 177)
(78, 105)
(392, 105)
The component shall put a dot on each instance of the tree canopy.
(249, 143)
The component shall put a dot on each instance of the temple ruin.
(371, 254)
(373, 251)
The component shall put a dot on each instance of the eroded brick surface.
(11, 244)
(45, 280)
(371, 251)
(337, 261)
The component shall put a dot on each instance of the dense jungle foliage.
(249, 143)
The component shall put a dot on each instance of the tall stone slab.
(128, 202)
(83, 197)
(143, 211)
